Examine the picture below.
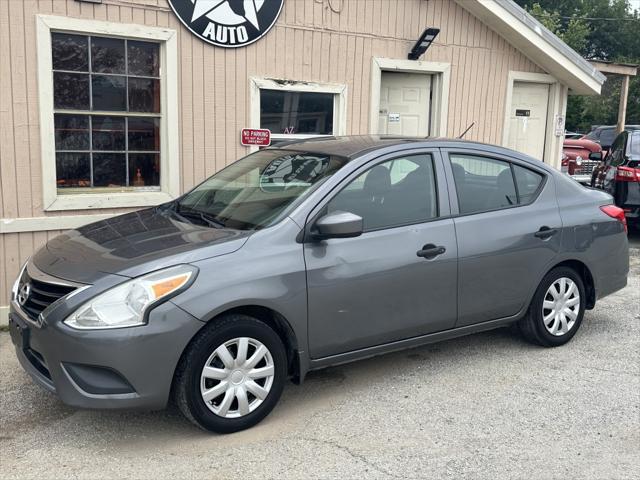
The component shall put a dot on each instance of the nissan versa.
(306, 255)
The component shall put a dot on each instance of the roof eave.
(543, 47)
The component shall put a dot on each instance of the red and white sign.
(252, 137)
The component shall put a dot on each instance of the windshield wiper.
(203, 216)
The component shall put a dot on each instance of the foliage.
(597, 30)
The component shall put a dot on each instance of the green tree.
(598, 30)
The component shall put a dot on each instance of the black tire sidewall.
(536, 306)
(233, 327)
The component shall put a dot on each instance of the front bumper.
(119, 368)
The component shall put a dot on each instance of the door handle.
(430, 251)
(545, 232)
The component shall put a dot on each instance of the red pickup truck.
(579, 158)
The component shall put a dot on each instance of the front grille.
(586, 168)
(39, 294)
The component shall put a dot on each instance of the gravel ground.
(483, 406)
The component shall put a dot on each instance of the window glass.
(253, 191)
(143, 58)
(107, 55)
(528, 182)
(71, 91)
(92, 76)
(616, 155)
(285, 112)
(482, 183)
(633, 149)
(69, 52)
(397, 192)
(607, 136)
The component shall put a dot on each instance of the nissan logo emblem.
(23, 294)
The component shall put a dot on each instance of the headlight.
(126, 304)
(16, 284)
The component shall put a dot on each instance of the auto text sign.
(252, 137)
(228, 23)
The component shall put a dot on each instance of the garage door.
(404, 104)
(528, 118)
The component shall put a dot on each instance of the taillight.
(615, 212)
(627, 174)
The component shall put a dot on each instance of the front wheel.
(557, 308)
(232, 374)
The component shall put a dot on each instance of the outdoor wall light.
(423, 43)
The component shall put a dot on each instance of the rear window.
(527, 182)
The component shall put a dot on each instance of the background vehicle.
(606, 134)
(619, 173)
(579, 158)
(308, 255)
(573, 135)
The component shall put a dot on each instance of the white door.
(528, 118)
(404, 104)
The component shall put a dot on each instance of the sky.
(635, 4)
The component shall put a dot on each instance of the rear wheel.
(557, 308)
(232, 374)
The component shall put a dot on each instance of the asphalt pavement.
(483, 406)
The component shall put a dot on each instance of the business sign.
(252, 137)
(228, 23)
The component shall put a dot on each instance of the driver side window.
(397, 192)
(616, 155)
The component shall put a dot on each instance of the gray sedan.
(307, 255)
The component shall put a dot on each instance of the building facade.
(113, 105)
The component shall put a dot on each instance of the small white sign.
(394, 118)
(559, 126)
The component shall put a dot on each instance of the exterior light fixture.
(423, 43)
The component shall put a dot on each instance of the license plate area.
(19, 331)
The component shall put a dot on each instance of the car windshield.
(254, 191)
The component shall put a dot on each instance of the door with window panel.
(383, 285)
(107, 113)
(499, 255)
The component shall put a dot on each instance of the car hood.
(133, 244)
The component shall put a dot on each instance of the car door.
(375, 288)
(614, 159)
(508, 230)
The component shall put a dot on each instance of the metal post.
(622, 109)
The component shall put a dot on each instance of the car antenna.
(468, 128)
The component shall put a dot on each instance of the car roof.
(609, 127)
(352, 146)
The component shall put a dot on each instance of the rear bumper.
(119, 368)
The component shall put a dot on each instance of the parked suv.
(308, 255)
(619, 174)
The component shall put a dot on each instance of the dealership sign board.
(252, 137)
(228, 23)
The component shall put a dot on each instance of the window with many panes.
(107, 113)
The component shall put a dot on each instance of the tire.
(534, 327)
(218, 413)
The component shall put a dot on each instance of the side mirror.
(595, 156)
(338, 225)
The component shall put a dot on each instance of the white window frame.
(339, 103)
(169, 140)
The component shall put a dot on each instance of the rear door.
(508, 231)
(375, 288)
